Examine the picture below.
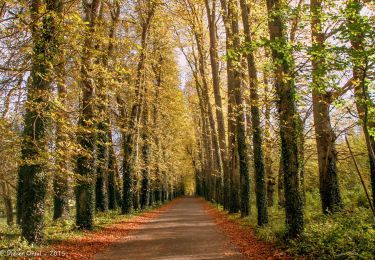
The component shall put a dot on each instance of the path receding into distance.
(184, 231)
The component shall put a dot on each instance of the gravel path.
(184, 231)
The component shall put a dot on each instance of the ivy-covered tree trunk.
(108, 156)
(230, 161)
(260, 175)
(129, 196)
(244, 177)
(231, 181)
(146, 154)
(85, 166)
(8, 205)
(32, 172)
(102, 148)
(286, 91)
(101, 196)
(104, 122)
(280, 185)
(112, 182)
(357, 29)
(136, 196)
(301, 152)
(157, 67)
(60, 180)
(325, 137)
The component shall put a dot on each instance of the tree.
(286, 92)
(60, 181)
(240, 134)
(357, 27)
(214, 57)
(32, 183)
(85, 165)
(325, 137)
(261, 195)
(113, 185)
(129, 136)
(231, 185)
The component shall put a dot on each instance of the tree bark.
(60, 181)
(364, 102)
(325, 137)
(260, 175)
(197, 30)
(146, 154)
(214, 58)
(231, 80)
(8, 205)
(85, 188)
(271, 180)
(285, 89)
(240, 191)
(112, 173)
(32, 174)
(129, 136)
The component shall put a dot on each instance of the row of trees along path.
(127, 104)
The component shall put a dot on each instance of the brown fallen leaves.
(94, 242)
(244, 238)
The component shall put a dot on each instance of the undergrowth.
(349, 234)
(57, 231)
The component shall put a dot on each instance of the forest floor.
(243, 236)
(187, 228)
(90, 243)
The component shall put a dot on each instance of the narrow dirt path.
(184, 231)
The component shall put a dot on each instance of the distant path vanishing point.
(184, 231)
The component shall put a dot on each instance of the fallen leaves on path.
(243, 238)
(94, 242)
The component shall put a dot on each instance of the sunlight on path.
(185, 231)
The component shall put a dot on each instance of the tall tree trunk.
(208, 153)
(8, 206)
(102, 128)
(60, 181)
(104, 123)
(207, 146)
(101, 196)
(364, 102)
(85, 188)
(158, 71)
(113, 185)
(146, 154)
(325, 137)
(231, 81)
(280, 184)
(285, 89)
(32, 174)
(129, 136)
(260, 175)
(240, 192)
(271, 180)
(217, 162)
(214, 57)
(112, 173)
(301, 152)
